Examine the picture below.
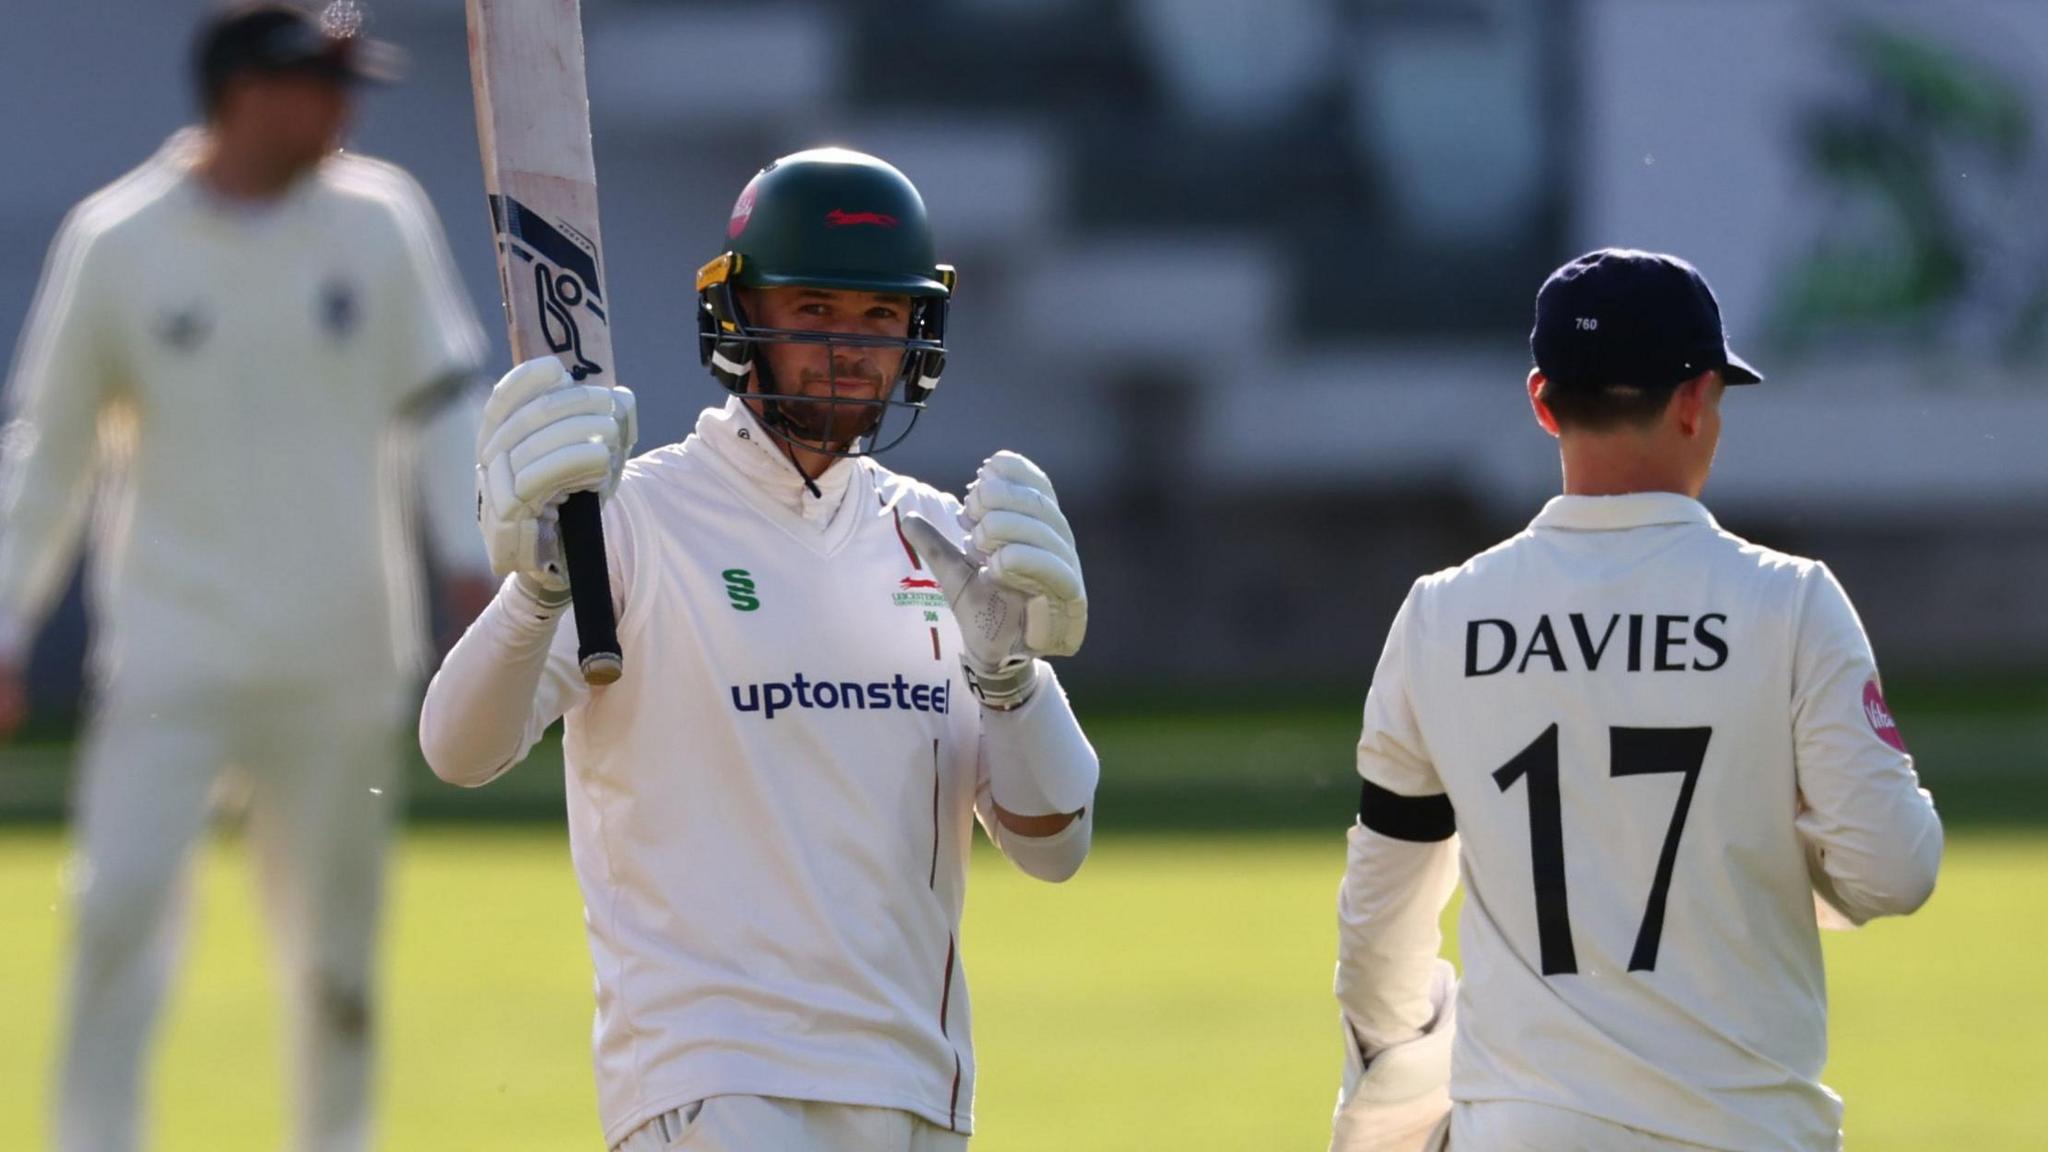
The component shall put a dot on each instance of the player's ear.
(1689, 403)
(1544, 416)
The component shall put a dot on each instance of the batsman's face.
(829, 372)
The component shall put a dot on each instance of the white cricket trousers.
(321, 768)
(1519, 1126)
(774, 1124)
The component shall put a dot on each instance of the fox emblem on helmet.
(837, 220)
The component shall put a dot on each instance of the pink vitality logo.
(1880, 717)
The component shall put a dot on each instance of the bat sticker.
(565, 277)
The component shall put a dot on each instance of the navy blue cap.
(276, 36)
(1620, 316)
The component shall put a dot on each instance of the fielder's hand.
(1396, 1099)
(1017, 593)
(543, 437)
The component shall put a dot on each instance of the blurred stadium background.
(1252, 278)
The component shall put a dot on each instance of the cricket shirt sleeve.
(436, 345)
(446, 474)
(513, 673)
(1873, 841)
(1401, 862)
(1035, 761)
(66, 372)
(433, 349)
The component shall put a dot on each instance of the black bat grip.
(590, 589)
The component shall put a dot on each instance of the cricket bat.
(533, 124)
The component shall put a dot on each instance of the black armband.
(1422, 819)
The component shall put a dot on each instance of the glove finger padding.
(526, 380)
(992, 495)
(542, 412)
(1033, 557)
(1001, 528)
(1036, 572)
(543, 437)
(1009, 482)
(597, 432)
(1014, 518)
(517, 537)
(1015, 468)
(580, 466)
(626, 410)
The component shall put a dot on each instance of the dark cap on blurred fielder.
(1618, 316)
(274, 38)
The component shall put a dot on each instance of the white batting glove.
(545, 436)
(1016, 590)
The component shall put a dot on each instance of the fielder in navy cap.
(275, 38)
(1641, 676)
(1618, 331)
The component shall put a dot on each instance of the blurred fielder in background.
(1662, 757)
(830, 670)
(233, 343)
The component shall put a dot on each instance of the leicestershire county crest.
(920, 590)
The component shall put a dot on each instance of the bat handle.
(590, 588)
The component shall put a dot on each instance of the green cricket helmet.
(836, 219)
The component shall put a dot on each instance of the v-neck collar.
(752, 463)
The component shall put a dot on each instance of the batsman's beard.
(836, 419)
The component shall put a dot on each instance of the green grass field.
(1175, 995)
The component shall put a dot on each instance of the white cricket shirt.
(239, 372)
(1629, 709)
(771, 810)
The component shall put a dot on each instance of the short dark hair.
(1606, 407)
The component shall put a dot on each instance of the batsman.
(830, 671)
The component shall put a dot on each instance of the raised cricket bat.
(533, 122)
